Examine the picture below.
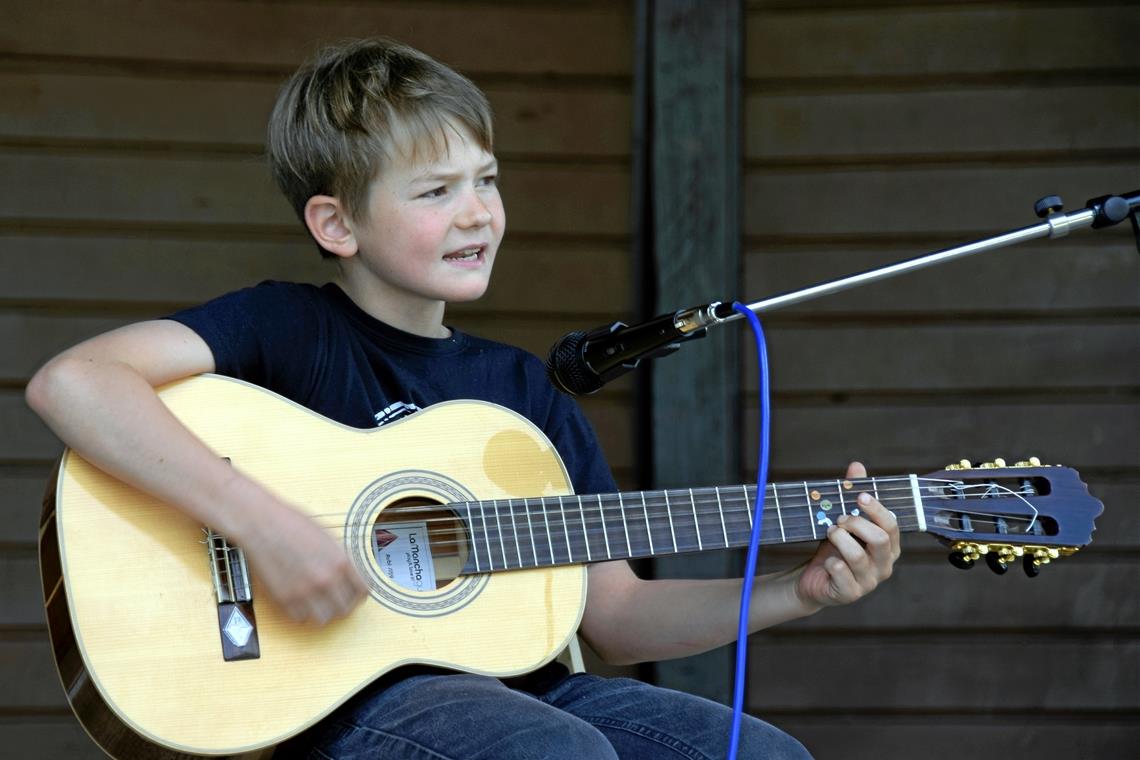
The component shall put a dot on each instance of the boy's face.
(434, 225)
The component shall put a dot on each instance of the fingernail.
(864, 498)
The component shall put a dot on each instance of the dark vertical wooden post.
(692, 139)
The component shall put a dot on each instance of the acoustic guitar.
(462, 522)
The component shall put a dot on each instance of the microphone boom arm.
(582, 362)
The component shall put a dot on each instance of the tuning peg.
(1031, 462)
(998, 462)
(960, 561)
(962, 465)
(1031, 566)
(997, 563)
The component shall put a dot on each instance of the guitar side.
(132, 607)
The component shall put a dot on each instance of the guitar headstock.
(1002, 512)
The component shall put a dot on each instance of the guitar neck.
(511, 534)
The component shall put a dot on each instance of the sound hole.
(419, 544)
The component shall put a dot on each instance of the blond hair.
(356, 105)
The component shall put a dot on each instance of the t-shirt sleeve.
(266, 335)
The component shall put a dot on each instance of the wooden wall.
(131, 136)
(876, 131)
(130, 141)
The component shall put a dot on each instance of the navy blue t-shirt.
(314, 346)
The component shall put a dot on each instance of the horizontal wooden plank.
(29, 674)
(518, 40)
(21, 497)
(958, 357)
(238, 191)
(570, 120)
(943, 40)
(1079, 592)
(936, 672)
(1084, 272)
(950, 737)
(21, 597)
(945, 123)
(48, 738)
(924, 437)
(908, 200)
(530, 276)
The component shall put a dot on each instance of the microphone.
(581, 362)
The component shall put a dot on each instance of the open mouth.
(471, 254)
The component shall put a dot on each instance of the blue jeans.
(581, 717)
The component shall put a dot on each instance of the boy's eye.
(434, 192)
(489, 180)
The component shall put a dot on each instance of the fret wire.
(549, 537)
(839, 490)
(566, 530)
(875, 488)
(749, 507)
(487, 537)
(530, 528)
(779, 512)
(720, 508)
(811, 517)
(669, 512)
(585, 536)
(515, 530)
(696, 521)
(475, 545)
(502, 539)
(625, 525)
(648, 529)
(605, 530)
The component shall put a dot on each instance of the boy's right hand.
(302, 567)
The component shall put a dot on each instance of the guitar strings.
(788, 512)
(725, 501)
(508, 526)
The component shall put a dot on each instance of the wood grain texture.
(940, 40)
(531, 40)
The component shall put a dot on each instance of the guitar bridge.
(237, 624)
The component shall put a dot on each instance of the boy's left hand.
(857, 556)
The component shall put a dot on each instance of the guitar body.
(133, 612)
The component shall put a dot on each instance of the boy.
(386, 155)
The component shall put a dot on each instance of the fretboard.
(510, 534)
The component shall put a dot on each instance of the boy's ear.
(329, 225)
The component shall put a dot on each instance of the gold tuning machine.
(998, 462)
(963, 555)
(962, 465)
(1031, 462)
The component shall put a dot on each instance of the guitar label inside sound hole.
(418, 545)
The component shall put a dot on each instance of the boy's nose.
(475, 212)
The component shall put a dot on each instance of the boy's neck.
(412, 315)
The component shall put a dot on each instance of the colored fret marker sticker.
(848, 485)
(826, 504)
(815, 495)
(822, 518)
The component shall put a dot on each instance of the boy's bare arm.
(99, 398)
(631, 620)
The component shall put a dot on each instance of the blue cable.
(754, 541)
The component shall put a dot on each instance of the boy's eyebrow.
(446, 174)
